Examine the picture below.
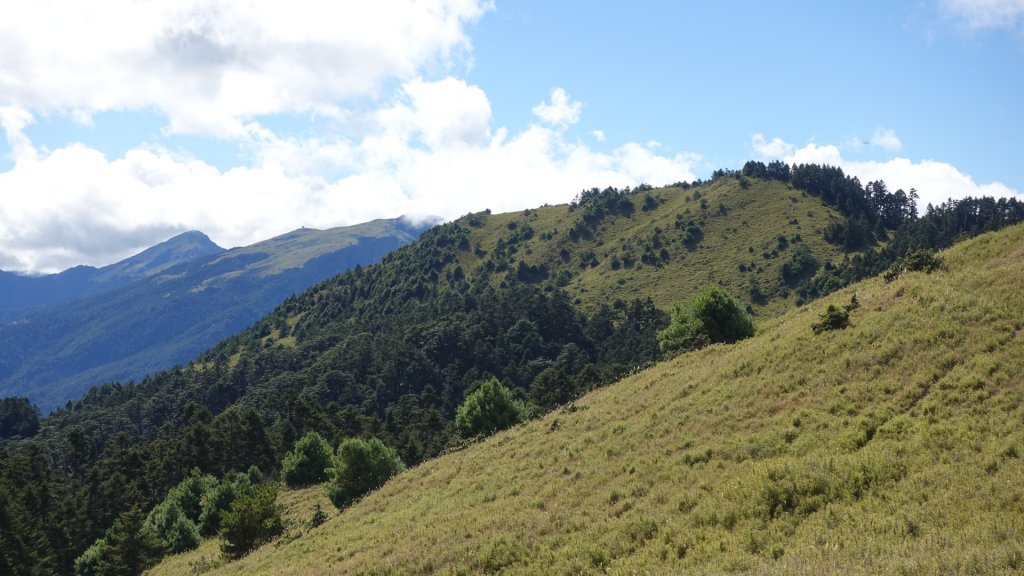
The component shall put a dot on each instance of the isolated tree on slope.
(712, 317)
(488, 409)
(360, 466)
(308, 462)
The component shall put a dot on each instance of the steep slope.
(394, 347)
(177, 310)
(20, 295)
(893, 446)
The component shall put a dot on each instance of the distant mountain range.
(85, 326)
(20, 295)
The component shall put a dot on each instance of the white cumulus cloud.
(430, 151)
(444, 113)
(393, 129)
(777, 148)
(560, 111)
(13, 121)
(211, 66)
(886, 140)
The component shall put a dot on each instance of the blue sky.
(125, 123)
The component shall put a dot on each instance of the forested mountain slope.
(891, 446)
(580, 289)
(553, 302)
(174, 311)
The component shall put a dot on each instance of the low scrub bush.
(834, 318)
(914, 261)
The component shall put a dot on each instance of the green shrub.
(711, 317)
(88, 563)
(801, 266)
(319, 517)
(834, 318)
(218, 500)
(190, 491)
(914, 261)
(488, 409)
(172, 528)
(360, 466)
(254, 518)
(173, 522)
(308, 462)
(183, 535)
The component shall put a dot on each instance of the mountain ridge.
(177, 310)
(22, 294)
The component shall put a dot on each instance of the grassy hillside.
(894, 446)
(738, 226)
(744, 232)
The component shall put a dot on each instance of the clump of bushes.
(835, 318)
(308, 462)
(253, 519)
(127, 547)
(218, 499)
(360, 466)
(914, 261)
(318, 518)
(712, 317)
(174, 521)
(488, 409)
(198, 506)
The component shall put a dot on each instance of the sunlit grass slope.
(741, 224)
(895, 446)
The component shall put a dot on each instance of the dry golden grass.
(895, 446)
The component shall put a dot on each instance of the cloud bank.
(209, 66)
(395, 130)
(432, 150)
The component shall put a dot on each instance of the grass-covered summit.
(892, 446)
